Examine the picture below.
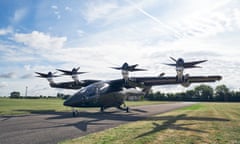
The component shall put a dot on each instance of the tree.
(203, 92)
(189, 95)
(222, 93)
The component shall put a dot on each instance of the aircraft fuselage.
(72, 84)
(101, 94)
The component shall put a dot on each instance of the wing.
(198, 79)
(154, 81)
(73, 84)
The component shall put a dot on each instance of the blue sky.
(41, 35)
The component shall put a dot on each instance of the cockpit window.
(94, 89)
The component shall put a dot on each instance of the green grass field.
(27, 106)
(211, 123)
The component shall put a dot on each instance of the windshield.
(93, 89)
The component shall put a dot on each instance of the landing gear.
(74, 112)
(127, 109)
(102, 109)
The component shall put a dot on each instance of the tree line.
(199, 93)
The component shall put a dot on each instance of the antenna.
(26, 91)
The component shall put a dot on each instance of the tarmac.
(51, 127)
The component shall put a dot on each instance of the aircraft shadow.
(170, 123)
(86, 119)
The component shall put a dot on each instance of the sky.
(42, 35)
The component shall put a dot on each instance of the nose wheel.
(75, 112)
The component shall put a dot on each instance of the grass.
(212, 123)
(27, 106)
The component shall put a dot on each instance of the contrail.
(156, 20)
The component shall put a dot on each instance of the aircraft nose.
(67, 102)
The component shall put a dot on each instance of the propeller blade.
(81, 72)
(133, 66)
(173, 59)
(77, 68)
(43, 75)
(117, 68)
(64, 71)
(193, 63)
(72, 72)
(136, 69)
(162, 74)
(180, 63)
(170, 64)
(127, 67)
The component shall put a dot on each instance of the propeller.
(127, 67)
(180, 63)
(48, 75)
(173, 59)
(74, 71)
(161, 74)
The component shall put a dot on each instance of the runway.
(53, 127)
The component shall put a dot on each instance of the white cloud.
(237, 16)
(39, 40)
(27, 67)
(147, 34)
(54, 7)
(56, 11)
(3, 84)
(80, 32)
(19, 15)
(5, 31)
(95, 11)
(8, 75)
(26, 76)
(68, 8)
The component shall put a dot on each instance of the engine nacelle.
(125, 75)
(75, 77)
(50, 77)
(186, 82)
(50, 80)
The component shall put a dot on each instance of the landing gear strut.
(102, 109)
(74, 112)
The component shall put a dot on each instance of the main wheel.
(127, 109)
(73, 113)
(102, 109)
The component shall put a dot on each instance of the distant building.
(15, 94)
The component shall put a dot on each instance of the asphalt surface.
(54, 127)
